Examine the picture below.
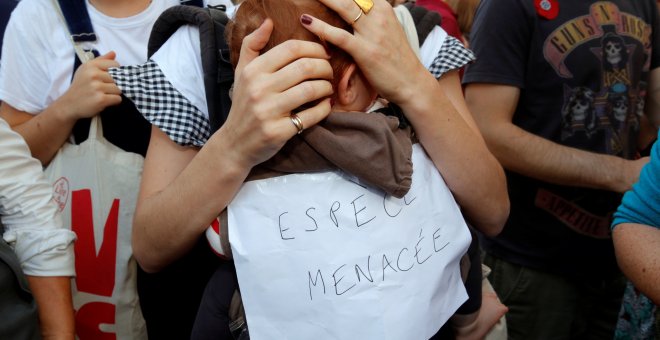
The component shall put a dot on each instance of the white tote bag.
(96, 186)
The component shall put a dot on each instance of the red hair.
(285, 15)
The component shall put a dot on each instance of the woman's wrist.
(421, 99)
(234, 162)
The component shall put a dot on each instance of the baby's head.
(352, 92)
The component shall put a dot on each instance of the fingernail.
(306, 19)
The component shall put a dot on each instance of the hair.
(465, 10)
(285, 15)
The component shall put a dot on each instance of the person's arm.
(638, 254)
(636, 230)
(55, 306)
(91, 90)
(487, 216)
(528, 154)
(34, 231)
(184, 189)
(379, 47)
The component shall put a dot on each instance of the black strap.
(196, 3)
(77, 20)
(225, 72)
(218, 72)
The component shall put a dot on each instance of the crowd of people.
(539, 116)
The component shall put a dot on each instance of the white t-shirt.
(38, 59)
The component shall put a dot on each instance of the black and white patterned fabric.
(453, 55)
(165, 107)
(162, 104)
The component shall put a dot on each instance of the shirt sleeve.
(33, 227)
(641, 205)
(169, 89)
(500, 39)
(452, 56)
(162, 104)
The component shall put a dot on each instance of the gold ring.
(365, 5)
(297, 122)
(357, 18)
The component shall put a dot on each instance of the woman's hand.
(381, 50)
(378, 45)
(268, 88)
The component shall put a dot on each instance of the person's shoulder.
(33, 20)
(35, 7)
(34, 14)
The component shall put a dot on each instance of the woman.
(205, 175)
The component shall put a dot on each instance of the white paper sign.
(320, 256)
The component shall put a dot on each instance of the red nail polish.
(306, 19)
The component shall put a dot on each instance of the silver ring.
(297, 122)
(357, 17)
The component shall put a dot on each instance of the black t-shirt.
(583, 77)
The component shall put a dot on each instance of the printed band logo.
(560, 43)
(573, 216)
(61, 193)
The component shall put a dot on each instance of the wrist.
(619, 181)
(61, 111)
(422, 99)
(234, 162)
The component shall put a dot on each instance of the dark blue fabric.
(6, 7)
(198, 3)
(77, 19)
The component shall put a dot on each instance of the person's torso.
(587, 74)
(127, 37)
(585, 84)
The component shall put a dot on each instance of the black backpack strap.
(77, 20)
(225, 72)
(425, 20)
(196, 3)
(218, 72)
(80, 29)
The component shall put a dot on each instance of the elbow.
(494, 224)
(142, 252)
(491, 215)
(495, 209)
(148, 263)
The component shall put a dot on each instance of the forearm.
(637, 254)
(472, 173)
(172, 215)
(55, 306)
(537, 157)
(45, 132)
